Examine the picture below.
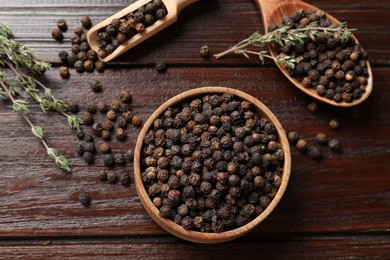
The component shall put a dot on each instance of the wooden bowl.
(196, 236)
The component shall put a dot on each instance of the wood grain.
(217, 23)
(344, 192)
(156, 247)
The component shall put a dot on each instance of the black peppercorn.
(112, 177)
(313, 107)
(119, 158)
(63, 55)
(84, 199)
(75, 48)
(75, 39)
(61, 24)
(204, 51)
(314, 152)
(301, 145)
(92, 55)
(334, 124)
(88, 66)
(126, 96)
(106, 135)
(321, 138)
(160, 66)
(88, 157)
(79, 149)
(86, 22)
(64, 72)
(105, 148)
(108, 160)
(100, 65)
(56, 33)
(292, 137)
(78, 30)
(71, 58)
(334, 144)
(120, 134)
(107, 125)
(72, 107)
(136, 120)
(79, 66)
(88, 137)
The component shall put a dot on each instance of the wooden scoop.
(273, 12)
(173, 7)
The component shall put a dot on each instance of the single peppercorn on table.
(334, 208)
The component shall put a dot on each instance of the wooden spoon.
(273, 12)
(173, 7)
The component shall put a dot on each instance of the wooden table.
(335, 208)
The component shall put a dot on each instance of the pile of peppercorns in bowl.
(211, 164)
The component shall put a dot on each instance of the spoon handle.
(183, 3)
(268, 8)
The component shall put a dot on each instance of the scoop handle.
(183, 3)
(268, 7)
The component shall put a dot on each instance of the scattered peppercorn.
(111, 115)
(112, 177)
(56, 33)
(136, 120)
(301, 145)
(313, 107)
(72, 107)
(120, 134)
(84, 199)
(314, 152)
(334, 124)
(61, 24)
(126, 96)
(87, 118)
(160, 66)
(79, 66)
(91, 108)
(105, 148)
(78, 30)
(103, 175)
(86, 22)
(64, 72)
(204, 51)
(88, 157)
(96, 86)
(100, 66)
(63, 55)
(321, 138)
(293, 137)
(119, 158)
(334, 144)
(108, 160)
(102, 107)
(125, 180)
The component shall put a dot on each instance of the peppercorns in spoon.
(330, 64)
(133, 25)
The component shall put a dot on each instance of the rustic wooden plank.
(219, 24)
(346, 192)
(269, 247)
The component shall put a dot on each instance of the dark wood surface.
(336, 208)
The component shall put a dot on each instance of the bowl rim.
(197, 236)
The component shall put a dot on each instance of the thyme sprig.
(22, 107)
(285, 36)
(19, 58)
